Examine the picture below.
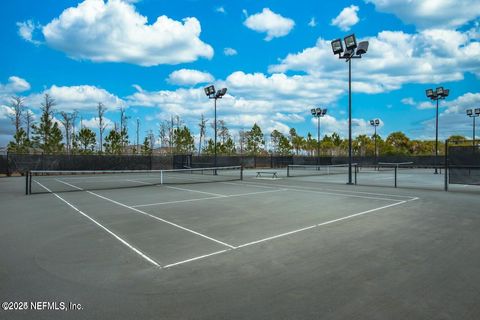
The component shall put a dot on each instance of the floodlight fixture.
(429, 93)
(318, 113)
(210, 90)
(350, 42)
(212, 94)
(439, 93)
(375, 123)
(477, 111)
(362, 48)
(337, 46)
(469, 112)
(221, 93)
(349, 54)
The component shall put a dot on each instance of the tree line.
(51, 136)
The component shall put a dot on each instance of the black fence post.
(446, 166)
(27, 174)
(396, 167)
(8, 166)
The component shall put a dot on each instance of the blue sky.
(154, 57)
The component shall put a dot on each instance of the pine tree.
(145, 149)
(87, 140)
(255, 140)
(47, 135)
(113, 143)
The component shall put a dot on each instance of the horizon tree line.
(174, 137)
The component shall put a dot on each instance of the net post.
(446, 166)
(288, 171)
(356, 169)
(161, 177)
(396, 167)
(27, 174)
(29, 182)
(241, 173)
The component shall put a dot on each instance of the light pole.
(349, 54)
(318, 113)
(439, 94)
(375, 123)
(212, 94)
(473, 114)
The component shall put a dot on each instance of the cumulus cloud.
(452, 119)
(189, 77)
(431, 13)
(93, 123)
(114, 31)
(269, 22)
(230, 52)
(82, 98)
(221, 9)
(312, 23)
(14, 85)
(395, 58)
(26, 30)
(347, 18)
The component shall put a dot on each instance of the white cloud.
(189, 77)
(221, 9)
(394, 58)
(347, 18)
(269, 22)
(230, 52)
(453, 120)
(431, 13)
(408, 101)
(113, 31)
(15, 85)
(312, 23)
(93, 123)
(82, 98)
(26, 30)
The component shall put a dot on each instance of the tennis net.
(296, 170)
(65, 181)
(390, 166)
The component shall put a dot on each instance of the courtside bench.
(272, 173)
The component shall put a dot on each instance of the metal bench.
(273, 173)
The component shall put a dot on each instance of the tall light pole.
(473, 114)
(212, 94)
(349, 54)
(439, 94)
(375, 123)
(318, 113)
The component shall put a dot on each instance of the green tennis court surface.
(258, 248)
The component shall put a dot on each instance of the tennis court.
(219, 243)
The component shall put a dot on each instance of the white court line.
(207, 198)
(323, 223)
(68, 184)
(328, 193)
(196, 191)
(160, 219)
(143, 255)
(259, 185)
(196, 258)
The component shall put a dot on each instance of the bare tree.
(124, 127)
(101, 122)
(138, 137)
(202, 125)
(151, 139)
(67, 120)
(28, 116)
(18, 108)
(163, 133)
(242, 137)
